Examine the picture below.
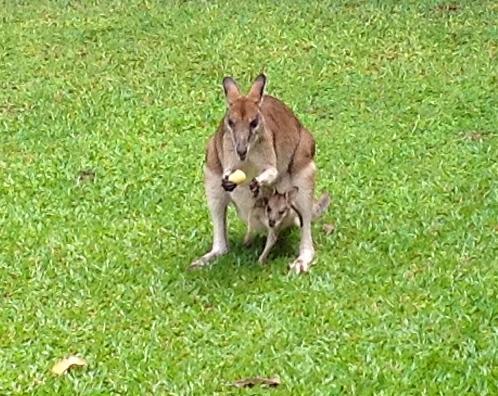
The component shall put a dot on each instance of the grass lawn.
(104, 113)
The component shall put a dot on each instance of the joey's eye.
(281, 212)
(231, 124)
(254, 123)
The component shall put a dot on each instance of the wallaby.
(261, 136)
(276, 213)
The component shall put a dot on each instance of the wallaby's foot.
(299, 266)
(207, 258)
(302, 263)
(263, 259)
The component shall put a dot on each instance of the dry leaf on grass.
(63, 365)
(447, 7)
(474, 135)
(86, 175)
(250, 382)
(328, 228)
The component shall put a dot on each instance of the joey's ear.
(232, 91)
(258, 89)
(261, 202)
(266, 191)
(291, 194)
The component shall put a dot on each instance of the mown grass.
(104, 113)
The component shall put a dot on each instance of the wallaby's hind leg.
(217, 200)
(305, 180)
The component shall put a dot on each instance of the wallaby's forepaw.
(227, 184)
(299, 266)
(255, 187)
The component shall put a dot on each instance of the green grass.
(402, 100)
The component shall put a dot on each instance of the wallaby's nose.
(271, 223)
(242, 152)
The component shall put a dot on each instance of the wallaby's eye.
(254, 123)
(268, 209)
(281, 212)
(231, 124)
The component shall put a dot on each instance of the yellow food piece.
(237, 177)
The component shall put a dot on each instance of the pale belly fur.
(243, 200)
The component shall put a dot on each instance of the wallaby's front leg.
(268, 176)
(217, 199)
(271, 239)
(265, 178)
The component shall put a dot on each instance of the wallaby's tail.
(320, 206)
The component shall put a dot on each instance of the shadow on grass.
(241, 263)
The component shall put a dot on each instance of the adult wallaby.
(261, 136)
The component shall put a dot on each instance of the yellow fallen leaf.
(65, 364)
(272, 382)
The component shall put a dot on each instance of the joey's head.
(243, 118)
(279, 205)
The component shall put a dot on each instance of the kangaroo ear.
(232, 91)
(290, 195)
(258, 89)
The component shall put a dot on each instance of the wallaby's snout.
(242, 150)
(271, 223)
